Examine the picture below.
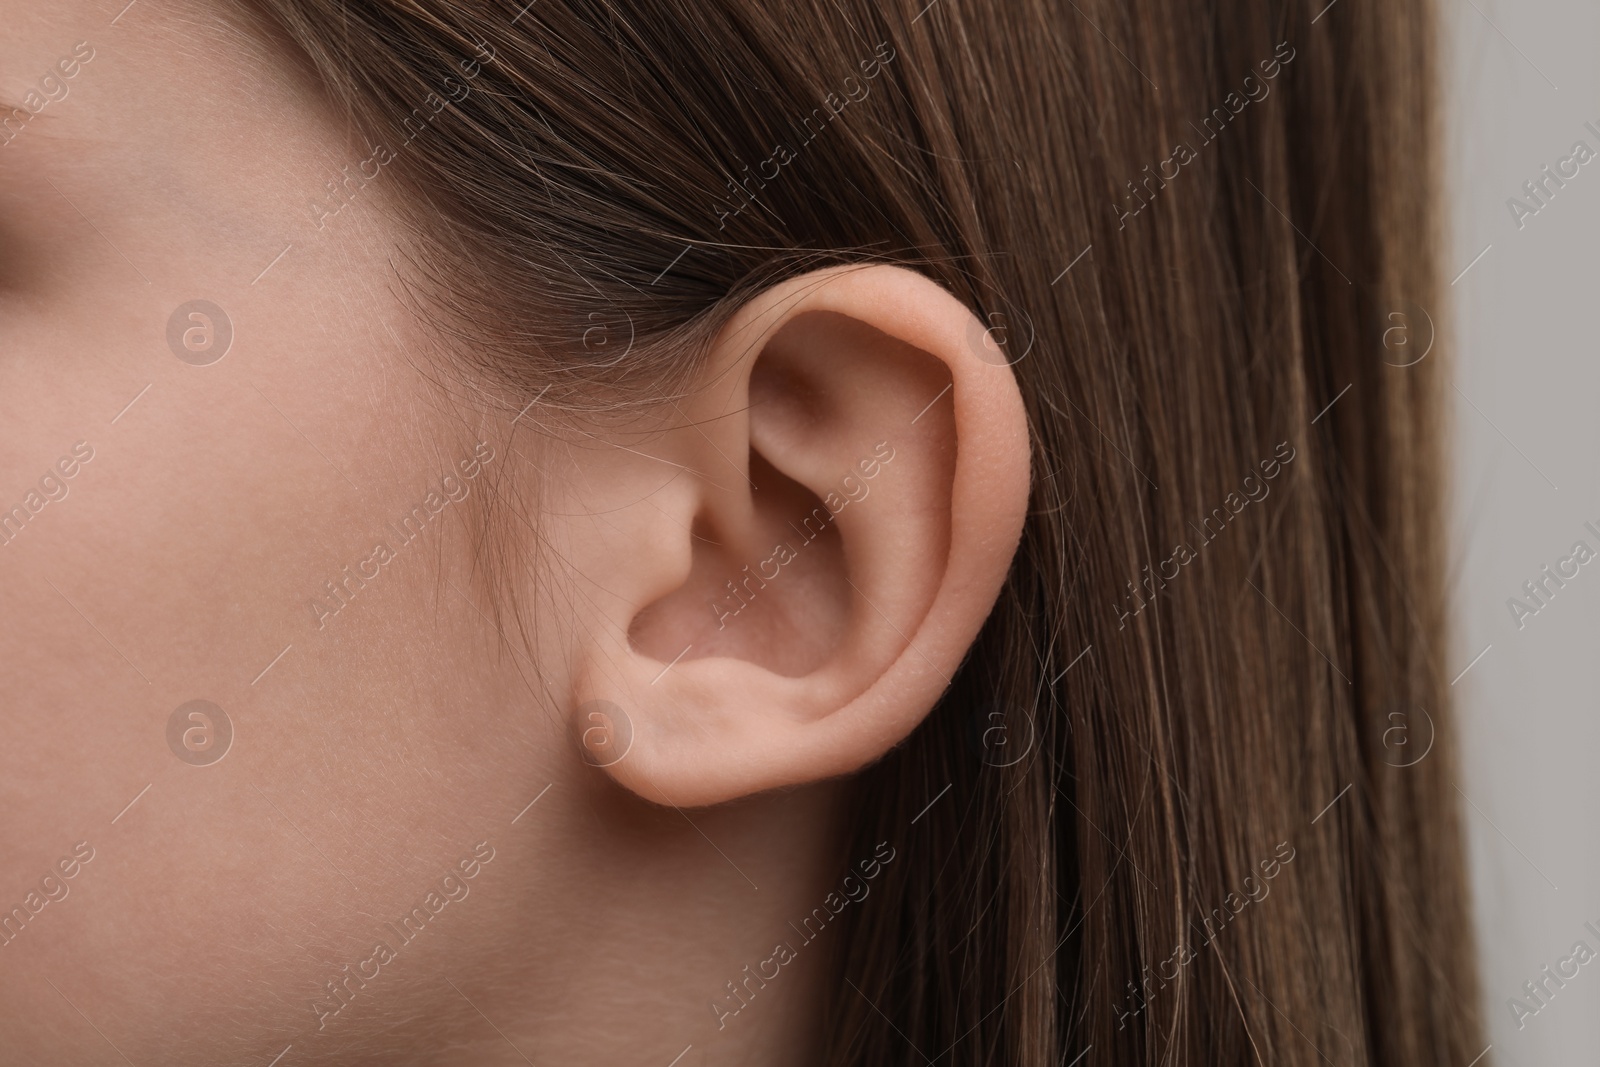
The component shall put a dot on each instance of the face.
(281, 775)
(251, 682)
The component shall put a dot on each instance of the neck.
(664, 930)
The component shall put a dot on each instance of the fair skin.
(392, 736)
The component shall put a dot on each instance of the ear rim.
(989, 494)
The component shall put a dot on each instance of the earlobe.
(853, 476)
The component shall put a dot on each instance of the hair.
(1196, 846)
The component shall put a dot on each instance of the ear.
(787, 576)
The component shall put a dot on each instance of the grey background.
(1521, 82)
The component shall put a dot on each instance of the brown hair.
(1196, 845)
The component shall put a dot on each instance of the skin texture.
(379, 747)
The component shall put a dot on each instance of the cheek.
(218, 502)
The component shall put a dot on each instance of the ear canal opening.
(776, 596)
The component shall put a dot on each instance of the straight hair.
(1152, 715)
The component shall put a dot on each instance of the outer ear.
(851, 485)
